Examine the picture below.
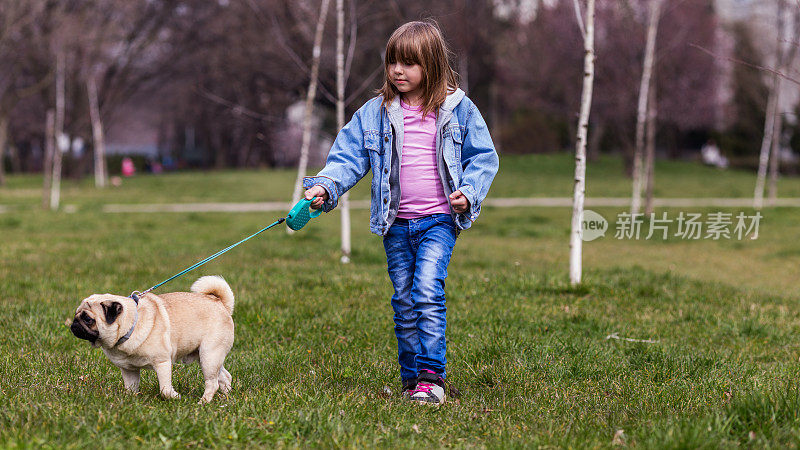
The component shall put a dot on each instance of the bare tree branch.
(289, 51)
(754, 66)
(312, 91)
(236, 108)
(364, 85)
(352, 45)
(579, 17)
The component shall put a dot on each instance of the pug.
(161, 330)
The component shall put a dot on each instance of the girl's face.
(407, 78)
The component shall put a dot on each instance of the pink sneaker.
(429, 390)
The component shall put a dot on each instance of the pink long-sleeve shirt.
(421, 191)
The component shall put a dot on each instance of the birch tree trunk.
(775, 144)
(769, 120)
(641, 116)
(788, 56)
(576, 243)
(55, 188)
(763, 159)
(312, 93)
(344, 201)
(47, 163)
(650, 148)
(100, 174)
(3, 143)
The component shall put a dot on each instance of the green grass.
(521, 176)
(315, 349)
(552, 175)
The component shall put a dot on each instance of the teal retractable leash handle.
(301, 213)
(297, 218)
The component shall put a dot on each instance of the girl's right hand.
(320, 193)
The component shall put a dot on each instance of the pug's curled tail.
(216, 286)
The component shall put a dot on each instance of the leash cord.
(136, 294)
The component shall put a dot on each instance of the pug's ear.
(111, 310)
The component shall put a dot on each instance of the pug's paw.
(171, 394)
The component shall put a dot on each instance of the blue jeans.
(417, 254)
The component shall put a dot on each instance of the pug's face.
(97, 319)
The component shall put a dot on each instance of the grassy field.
(520, 176)
(314, 363)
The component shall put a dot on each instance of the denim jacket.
(373, 139)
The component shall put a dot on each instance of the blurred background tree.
(199, 83)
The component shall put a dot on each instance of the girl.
(432, 162)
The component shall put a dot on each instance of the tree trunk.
(100, 173)
(769, 121)
(218, 144)
(763, 159)
(243, 156)
(494, 113)
(463, 71)
(593, 147)
(16, 160)
(777, 129)
(55, 188)
(312, 93)
(641, 116)
(650, 148)
(3, 142)
(576, 243)
(49, 151)
(345, 200)
(788, 57)
(236, 141)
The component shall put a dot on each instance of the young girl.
(432, 162)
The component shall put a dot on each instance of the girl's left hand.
(459, 202)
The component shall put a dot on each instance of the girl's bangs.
(404, 49)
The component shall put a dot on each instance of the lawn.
(314, 358)
(520, 176)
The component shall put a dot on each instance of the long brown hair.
(421, 43)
